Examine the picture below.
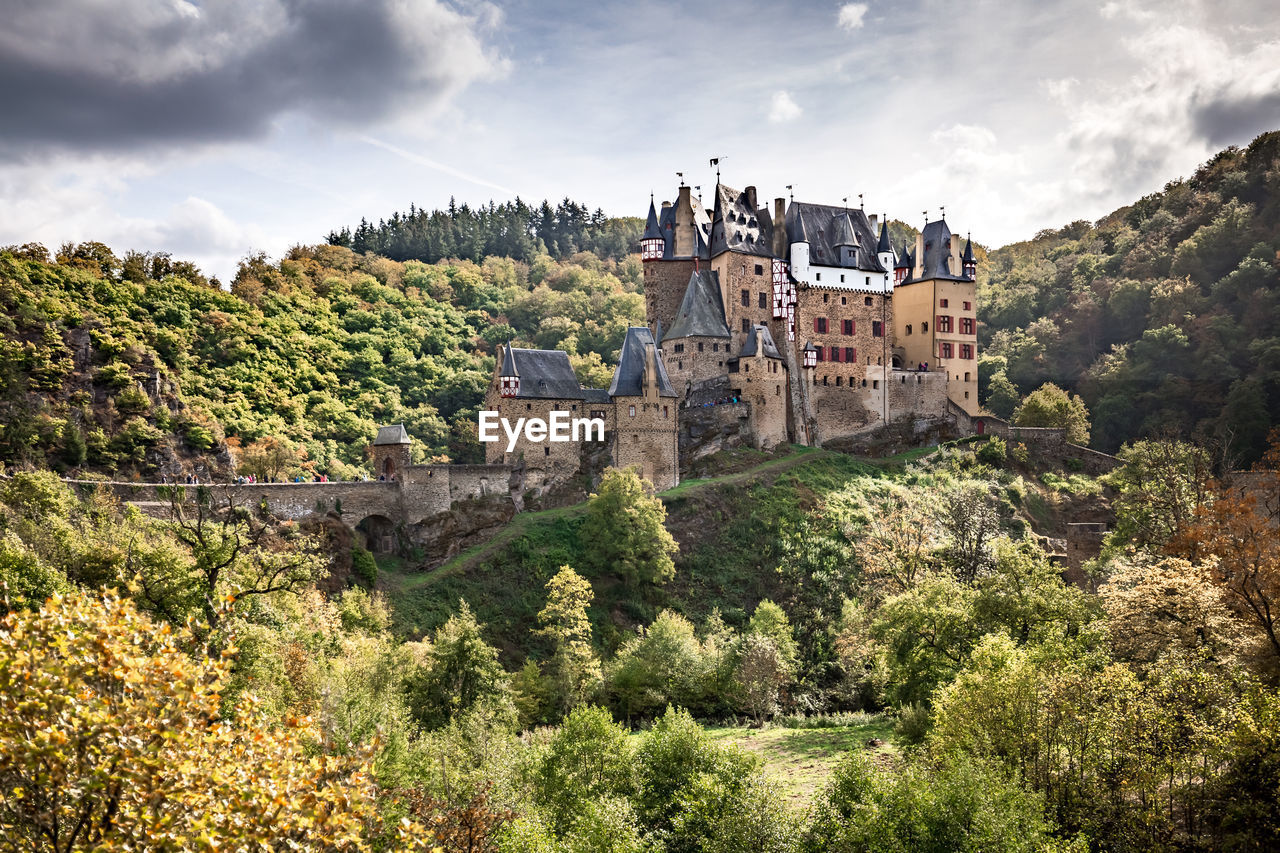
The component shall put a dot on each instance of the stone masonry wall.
(664, 285)
(647, 439)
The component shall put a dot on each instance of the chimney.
(919, 270)
(685, 195)
(779, 228)
(750, 193)
(874, 219)
(955, 267)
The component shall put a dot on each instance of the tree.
(114, 738)
(769, 620)
(1161, 486)
(662, 666)
(575, 667)
(762, 673)
(234, 553)
(1157, 606)
(268, 458)
(624, 533)
(1240, 526)
(970, 524)
(1050, 406)
(459, 670)
(1002, 396)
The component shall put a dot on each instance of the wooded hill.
(1163, 315)
(133, 365)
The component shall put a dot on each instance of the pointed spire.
(509, 362)
(651, 229)
(884, 245)
(905, 261)
(968, 250)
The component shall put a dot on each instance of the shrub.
(913, 722)
(993, 452)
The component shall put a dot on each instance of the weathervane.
(790, 194)
(680, 175)
(925, 214)
(860, 202)
(715, 161)
(944, 211)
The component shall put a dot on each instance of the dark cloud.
(136, 73)
(1236, 119)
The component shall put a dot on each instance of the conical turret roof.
(651, 229)
(509, 362)
(884, 245)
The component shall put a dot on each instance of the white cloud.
(851, 15)
(782, 108)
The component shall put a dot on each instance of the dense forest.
(140, 366)
(1164, 316)
(509, 230)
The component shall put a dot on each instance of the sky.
(215, 129)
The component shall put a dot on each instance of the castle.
(805, 318)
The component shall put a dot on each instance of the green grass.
(802, 760)
(727, 525)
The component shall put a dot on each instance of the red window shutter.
(815, 324)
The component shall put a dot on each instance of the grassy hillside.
(1163, 315)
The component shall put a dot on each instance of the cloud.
(1193, 92)
(851, 15)
(433, 164)
(782, 108)
(86, 76)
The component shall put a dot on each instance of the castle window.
(528, 407)
(824, 380)
(946, 350)
(822, 353)
(820, 325)
(966, 376)
(759, 269)
(847, 326)
(839, 381)
(944, 324)
(746, 368)
(875, 383)
(597, 413)
(966, 350)
(844, 301)
(678, 348)
(842, 280)
(866, 300)
(835, 353)
(908, 328)
(868, 284)
(574, 407)
(877, 329)
(631, 411)
(764, 299)
(679, 365)
(966, 325)
(864, 383)
(966, 395)
(546, 451)
(746, 324)
(850, 354)
(664, 411)
(701, 344)
(942, 303)
(777, 390)
(924, 327)
(968, 306)
(746, 298)
(825, 296)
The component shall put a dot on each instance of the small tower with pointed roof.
(651, 242)
(391, 456)
(509, 376)
(968, 262)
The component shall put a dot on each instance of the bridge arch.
(378, 533)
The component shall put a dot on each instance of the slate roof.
(702, 310)
(968, 257)
(651, 229)
(884, 245)
(628, 379)
(394, 434)
(737, 226)
(825, 228)
(761, 331)
(666, 229)
(905, 259)
(508, 362)
(937, 249)
(544, 374)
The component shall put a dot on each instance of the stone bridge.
(377, 508)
